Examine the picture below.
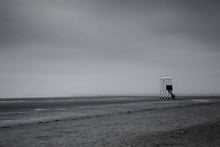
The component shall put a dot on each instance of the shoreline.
(97, 116)
(81, 110)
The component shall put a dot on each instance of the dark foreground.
(191, 124)
(197, 136)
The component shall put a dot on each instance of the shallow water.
(31, 110)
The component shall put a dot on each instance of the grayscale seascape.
(109, 73)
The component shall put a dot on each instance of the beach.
(196, 123)
(198, 135)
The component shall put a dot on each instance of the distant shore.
(105, 96)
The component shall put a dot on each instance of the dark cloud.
(97, 44)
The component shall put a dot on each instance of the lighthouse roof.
(166, 77)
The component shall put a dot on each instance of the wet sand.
(194, 125)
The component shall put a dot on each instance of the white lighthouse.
(166, 87)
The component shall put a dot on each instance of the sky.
(108, 47)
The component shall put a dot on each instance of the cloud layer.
(83, 47)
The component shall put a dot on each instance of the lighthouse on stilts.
(166, 88)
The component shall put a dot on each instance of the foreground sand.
(197, 136)
(196, 125)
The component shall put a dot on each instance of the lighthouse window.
(169, 87)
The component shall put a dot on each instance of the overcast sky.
(101, 47)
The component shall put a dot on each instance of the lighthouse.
(166, 87)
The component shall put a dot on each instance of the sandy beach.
(191, 125)
(198, 135)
